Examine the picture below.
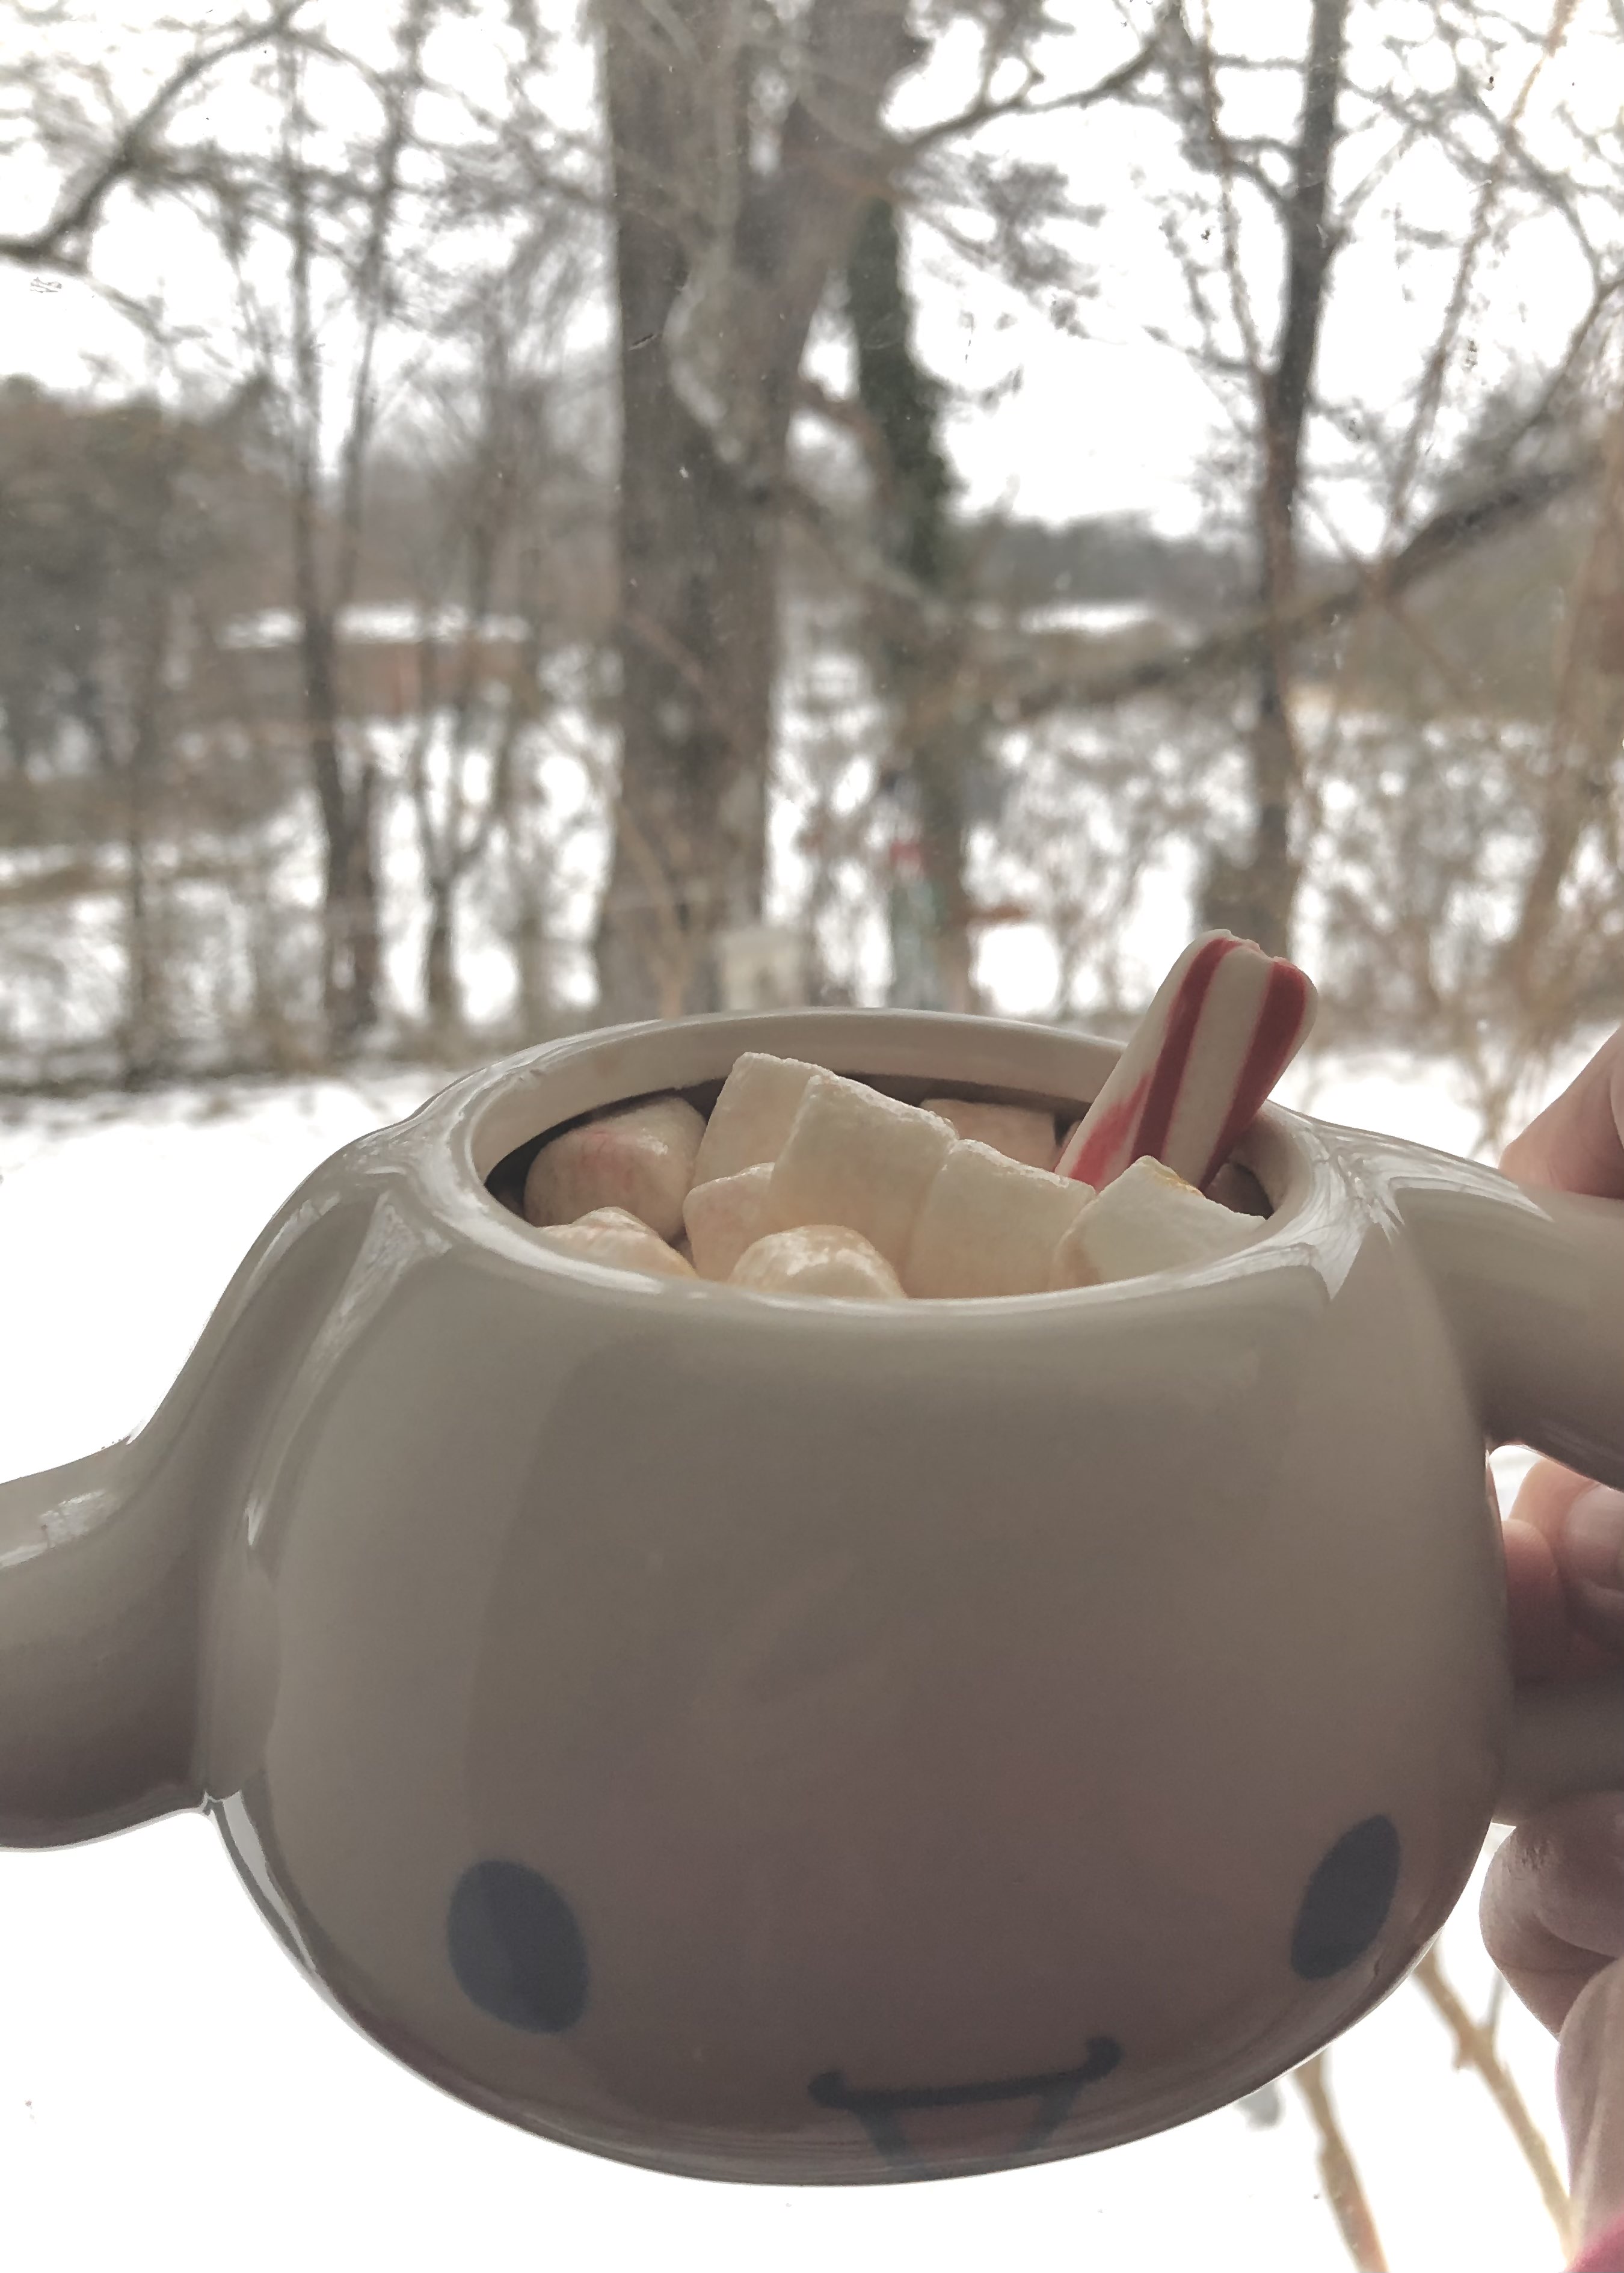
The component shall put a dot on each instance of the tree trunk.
(350, 949)
(696, 635)
(144, 1023)
(1587, 735)
(697, 644)
(441, 995)
(934, 740)
(142, 1019)
(363, 943)
(721, 262)
(1256, 897)
(528, 864)
(939, 769)
(532, 967)
(349, 944)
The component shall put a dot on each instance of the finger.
(1536, 1604)
(1574, 1143)
(1589, 2092)
(1590, 1554)
(1547, 1491)
(1582, 1524)
(1553, 1906)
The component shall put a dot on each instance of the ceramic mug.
(795, 1740)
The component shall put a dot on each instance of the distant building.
(395, 660)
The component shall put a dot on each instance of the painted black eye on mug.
(1347, 1900)
(515, 1947)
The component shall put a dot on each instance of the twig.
(1473, 2048)
(1338, 2172)
(1021, 103)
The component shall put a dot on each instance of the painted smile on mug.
(880, 2110)
(1344, 1908)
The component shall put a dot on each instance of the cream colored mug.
(791, 1740)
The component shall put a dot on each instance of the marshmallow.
(752, 1116)
(1020, 1132)
(1225, 1024)
(636, 1157)
(610, 1235)
(817, 1258)
(989, 1225)
(1146, 1218)
(725, 1216)
(856, 1157)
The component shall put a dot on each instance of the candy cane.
(1226, 1022)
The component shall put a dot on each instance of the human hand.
(1552, 1909)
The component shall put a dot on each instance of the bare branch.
(1430, 392)
(1473, 2048)
(1338, 2172)
(62, 242)
(1233, 646)
(1022, 103)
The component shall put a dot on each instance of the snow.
(1096, 618)
(167, 2078)
(400, 624)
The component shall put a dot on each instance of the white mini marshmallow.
(856, 1157)
(751, 1118)
(817, 1258)
(989, 1225)
(725, 1216)
(1020, 1132)
(1148, 1219)
(636, 1157)
(612, 1236)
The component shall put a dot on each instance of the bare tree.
(493, 513)
(739, 169)
(297, 382)
(744, 144)
(1255, 897)
(113, 527)
(1582, 769)
(1257, 228)
(937, 742)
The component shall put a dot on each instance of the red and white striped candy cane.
(1226, 1022)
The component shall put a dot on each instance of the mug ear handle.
(98, 1593)
(1532, 1285)
(104, 1561)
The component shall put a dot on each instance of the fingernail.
(1593, 1534)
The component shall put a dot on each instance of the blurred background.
(517, 515)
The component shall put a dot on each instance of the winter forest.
(517, 514)
(530, 541)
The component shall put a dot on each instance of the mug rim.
(457, 1138)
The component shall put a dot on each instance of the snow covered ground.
(172, 2090)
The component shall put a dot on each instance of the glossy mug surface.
(801, 1741)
